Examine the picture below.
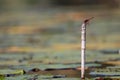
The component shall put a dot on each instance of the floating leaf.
(2, 77)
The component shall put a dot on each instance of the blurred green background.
(27, 25)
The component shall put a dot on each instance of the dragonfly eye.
(85, 21)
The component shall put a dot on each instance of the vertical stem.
(83, 47)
